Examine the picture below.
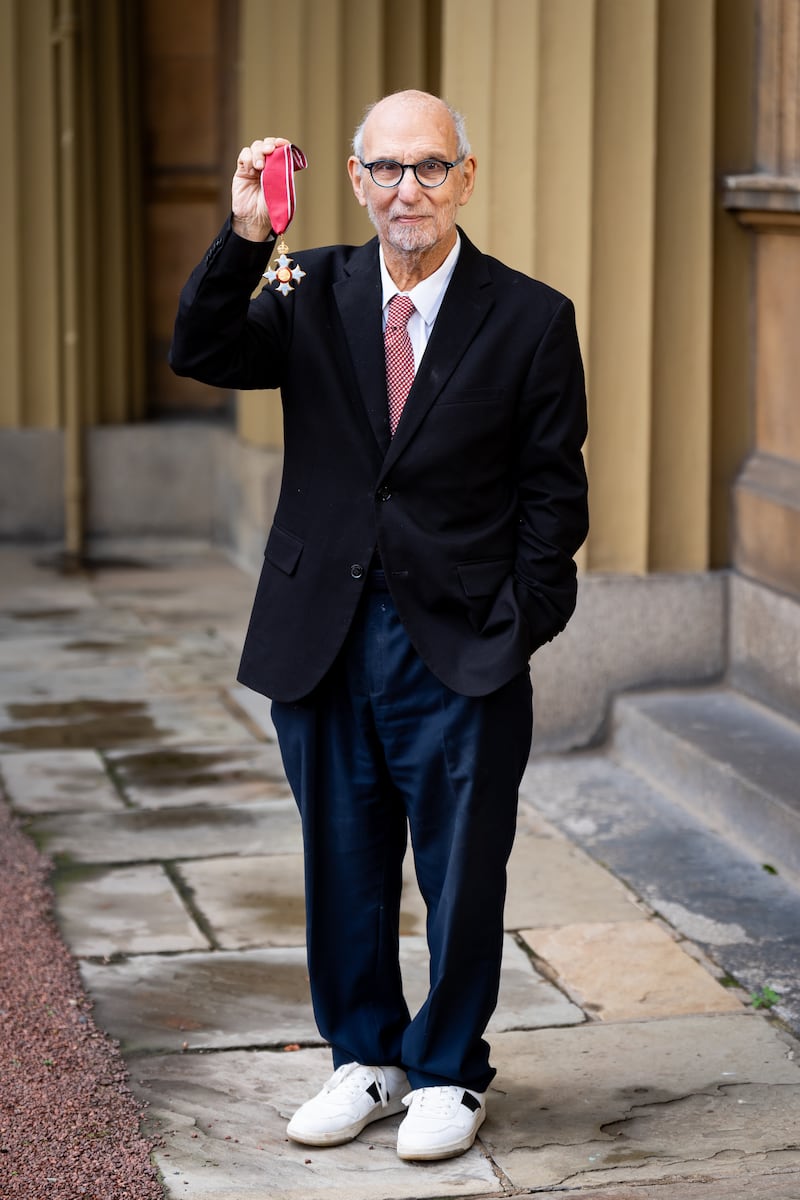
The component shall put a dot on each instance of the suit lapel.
(358, 298)
(467, 302)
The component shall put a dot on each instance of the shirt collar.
(427, 295)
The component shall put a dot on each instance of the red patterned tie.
(399, 356)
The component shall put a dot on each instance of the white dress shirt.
(426, 297)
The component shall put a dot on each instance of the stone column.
(593, 122)
(767, 201)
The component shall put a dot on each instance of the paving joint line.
(187, 897)
(145, 1052)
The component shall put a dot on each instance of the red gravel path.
(68, 1121)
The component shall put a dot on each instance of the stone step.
(730, 760)
(710, 890)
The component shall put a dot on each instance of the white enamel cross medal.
(284, 274)
(277, 184)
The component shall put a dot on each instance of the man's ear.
(469, 167)
(356, 173)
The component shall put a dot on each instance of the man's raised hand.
(250, 213)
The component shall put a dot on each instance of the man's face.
(409, 217)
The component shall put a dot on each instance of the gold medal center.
(284, 274)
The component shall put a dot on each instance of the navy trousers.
(379, 748)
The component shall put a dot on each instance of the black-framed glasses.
(430, 173)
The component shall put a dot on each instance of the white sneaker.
(441, 1122)
(352, 1098)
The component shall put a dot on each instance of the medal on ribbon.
(277, 184)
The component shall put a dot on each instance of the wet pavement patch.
(188, 775)
(249, 901)
(125, 910)
(169, 834)
(258, 900)
(191, 767)
(45, 614)
(50, 725)
(92, 647)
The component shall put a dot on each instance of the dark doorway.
(188, 73)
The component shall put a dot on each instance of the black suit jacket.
(476, 505)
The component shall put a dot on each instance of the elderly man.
(433, 498)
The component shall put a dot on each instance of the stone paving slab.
(219, 1000)
(257, 707)
(161, 567)
(127, 910)
(199, 775)
(774, 1184)
(413, 911)
(628, 970)
(21, 685)
(169, 659)
(45, 781)
(550, 881)
(93, 713)
(174, 609)
(526, 1001)
(638, 1102)
(190, 664)
(259, 900)
(34, 723)
(221, 1119)
(69, 648)
(28, 592)
(168, 834)
(232, 631)
(53, 626)
(211, 586)
(261, 997)
(249, 901)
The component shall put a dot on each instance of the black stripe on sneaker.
(469, 1101)
(372, 1090)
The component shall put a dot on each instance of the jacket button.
(356, 570)
(384, 493)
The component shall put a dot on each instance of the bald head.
(415, 106)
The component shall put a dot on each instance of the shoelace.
(354, 1078)
(436, 1101)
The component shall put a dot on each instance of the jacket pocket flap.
(283, 550)
(483, 578)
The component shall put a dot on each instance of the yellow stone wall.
(600, 128)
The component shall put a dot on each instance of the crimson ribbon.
(277, 184)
